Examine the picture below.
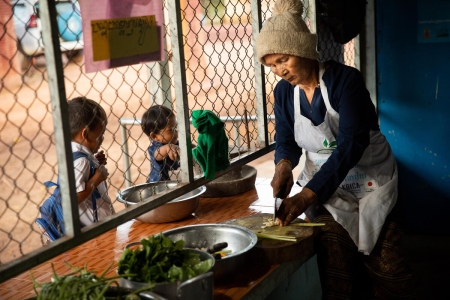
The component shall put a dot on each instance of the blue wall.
(414, 110)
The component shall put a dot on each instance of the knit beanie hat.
(286, 33)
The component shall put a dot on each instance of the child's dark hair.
(156, 119)
(84, 113)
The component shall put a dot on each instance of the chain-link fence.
(219, 76)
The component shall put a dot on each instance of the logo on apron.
(328, 147)
(359, 183)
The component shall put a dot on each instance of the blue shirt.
(159, 170)
(357, 117)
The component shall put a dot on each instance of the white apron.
(369, 191)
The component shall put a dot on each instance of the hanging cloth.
(212, 150)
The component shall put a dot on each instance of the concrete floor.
(427, 255)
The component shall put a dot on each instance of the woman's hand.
(294, 206)
(282, 181)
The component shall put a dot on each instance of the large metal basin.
(240, 241)
(198, 287)
(174, 210)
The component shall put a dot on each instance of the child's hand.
(102, 173)
(170, 150)
(173, 152)
(101, 157)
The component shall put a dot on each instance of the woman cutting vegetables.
(350, 175)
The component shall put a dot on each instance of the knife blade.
(277, 196)
(274, 207)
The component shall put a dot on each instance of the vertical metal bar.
(260, 82)
(247, 134)
(368, 52)
(237, 136)
(126, 154)
(182, 105)
(60, 116)
(357, 53)
(158, 81)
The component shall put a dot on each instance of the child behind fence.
(87, 125)
(159, 124)
(87, 121)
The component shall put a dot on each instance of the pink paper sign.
(121, 32)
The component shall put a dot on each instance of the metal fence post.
(158, 81)
(126, 154)
(182, 105)
(60, 116)
(237, 136)
(260, 86)
(368, 55)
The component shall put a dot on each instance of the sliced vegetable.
(223, 252)
(276, 237)
(308, 224)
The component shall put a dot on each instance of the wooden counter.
(255, 282)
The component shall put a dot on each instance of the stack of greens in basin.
(84, 284)
(159, 260)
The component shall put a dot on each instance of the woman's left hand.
(294, 206)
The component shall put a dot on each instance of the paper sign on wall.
(121, 32)
(433, 21)
(117, 38)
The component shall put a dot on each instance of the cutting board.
(268, 251)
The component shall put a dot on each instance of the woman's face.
(294, 69)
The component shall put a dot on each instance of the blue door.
(413, 77)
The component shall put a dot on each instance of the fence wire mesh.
(217, 37)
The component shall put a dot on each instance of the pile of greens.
(161, 260)
(83, 284)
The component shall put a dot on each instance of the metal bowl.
(240, 241)
(174, 210)
(198, 287)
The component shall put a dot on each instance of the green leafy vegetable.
(159, 259)
(82, 284)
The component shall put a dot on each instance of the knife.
(274, 207)
(277, 196)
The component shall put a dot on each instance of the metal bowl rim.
(201, 189)
(252, 235)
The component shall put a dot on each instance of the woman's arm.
(286, 146)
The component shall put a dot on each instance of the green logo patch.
(328, 147)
